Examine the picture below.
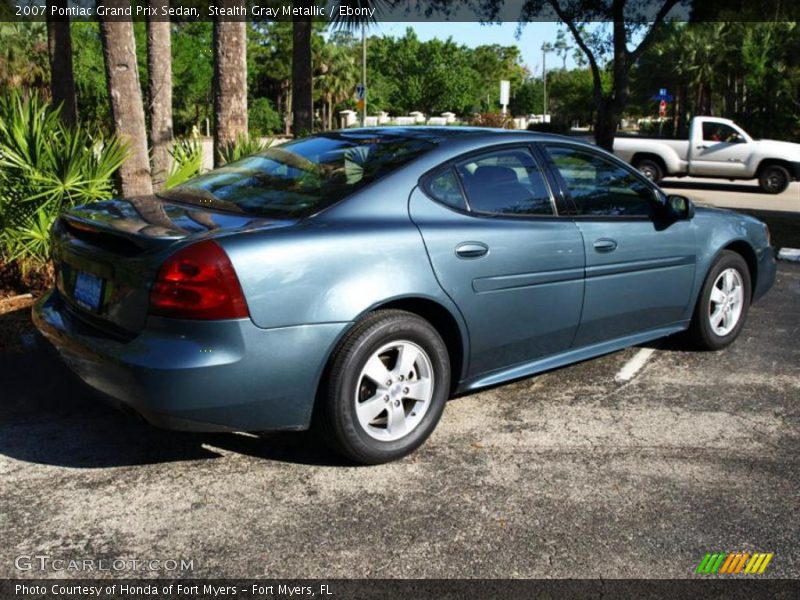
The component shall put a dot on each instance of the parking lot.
(574, 473)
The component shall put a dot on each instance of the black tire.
(650, 169)
(774, 179)
(701, 333)
(337, 413)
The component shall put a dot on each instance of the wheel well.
(654, 157)
(444, 323)
(746, 251)
(767, 162)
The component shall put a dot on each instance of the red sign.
(662, 108)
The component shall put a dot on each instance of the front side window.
(719, 132)
(506, 182)
(599, 186)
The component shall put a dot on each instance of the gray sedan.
(355, 280)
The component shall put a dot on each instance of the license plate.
(88, 290)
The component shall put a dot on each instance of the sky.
(476, 34)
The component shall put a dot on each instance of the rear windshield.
(300, 178)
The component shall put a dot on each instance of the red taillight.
(198, 282)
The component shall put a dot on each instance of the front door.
(512, 267)
(639, 266)
(723, 151)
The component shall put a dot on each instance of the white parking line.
(634, 365)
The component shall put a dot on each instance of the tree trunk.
(159, 70)
(127, 110)
(230, 82)
(302, 102)
(62, 80)
(605, 124)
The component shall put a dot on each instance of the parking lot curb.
(792, 254)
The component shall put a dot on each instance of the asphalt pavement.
(594, 470)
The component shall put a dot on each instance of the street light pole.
(364, 73)
(546, 47)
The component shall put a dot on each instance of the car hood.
(785, 150)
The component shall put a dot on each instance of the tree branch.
(576, 34)
(649, 36)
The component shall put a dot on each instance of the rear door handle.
(471, 249)
(605, 245)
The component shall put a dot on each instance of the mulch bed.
(18, 292)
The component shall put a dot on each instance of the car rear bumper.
(198, 375)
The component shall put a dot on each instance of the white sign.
(505, 92)
(361, 91)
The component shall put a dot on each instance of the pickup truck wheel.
(774, 179)
(722, 306)
(650, 169)
(388, 384)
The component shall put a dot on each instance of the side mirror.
(680, 207)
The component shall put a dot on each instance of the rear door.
(639, 266)
(514, 269)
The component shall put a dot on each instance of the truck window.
(719, 132)
(600, 187)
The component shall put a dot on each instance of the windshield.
(300, 178)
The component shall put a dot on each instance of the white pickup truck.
(715, 148)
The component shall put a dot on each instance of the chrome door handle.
(471, 249)
(605, 245)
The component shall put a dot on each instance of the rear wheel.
(774, 179)
(723, 303)
(650, 169)
(388, 384)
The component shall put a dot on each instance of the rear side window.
(445, 188)
(599, 186)
(506, 182)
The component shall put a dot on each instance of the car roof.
(440, 135)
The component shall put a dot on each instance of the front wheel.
(650, 169)
(387, 387)
(722, 306)
(774, 179)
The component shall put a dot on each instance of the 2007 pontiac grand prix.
(357, 279)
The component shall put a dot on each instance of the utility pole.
(364, 72)
(546, 47)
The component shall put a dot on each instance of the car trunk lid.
(107, 254)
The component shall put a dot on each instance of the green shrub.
(45, 168)
(262, 118)
(243, 146)
(187, 161)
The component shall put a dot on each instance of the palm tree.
(352, 23)
(127, 110)
(159, 71)
(230, 83)
(62, 80)
(302, 74)
(338, 78)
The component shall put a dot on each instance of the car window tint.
(599, 186)
(444, 187)
(505, 182)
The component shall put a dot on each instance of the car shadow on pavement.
(48, 416)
